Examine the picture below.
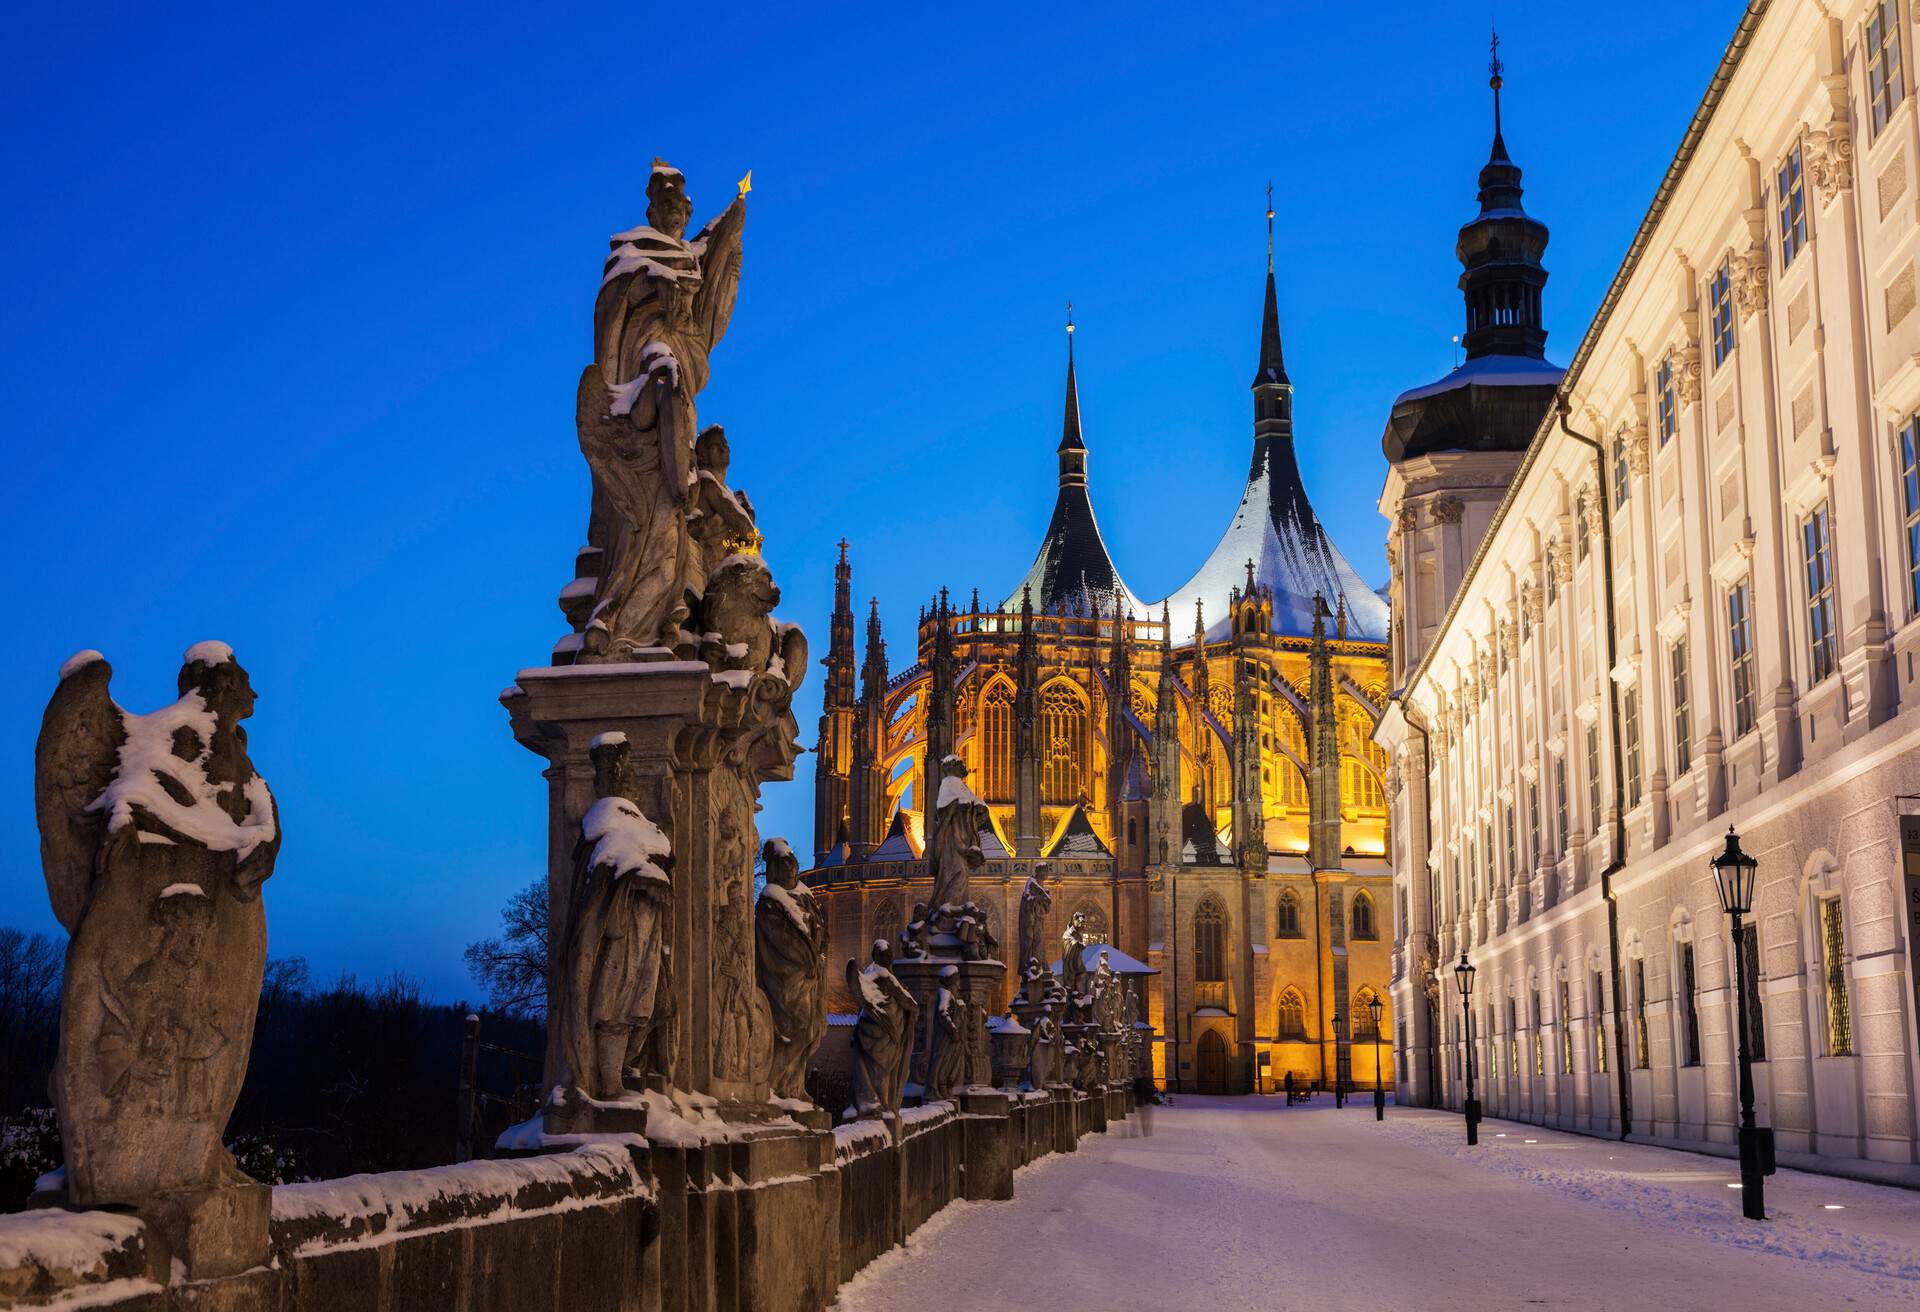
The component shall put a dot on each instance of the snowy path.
(1246, 1203)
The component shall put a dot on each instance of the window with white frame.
(1553, 578)
(1886, 76)
(1909, 457)
(1720, 297)
(1582, 536)
(1566, 1030)
(1593, 775)
(1620, 485)
(1560, 797)
(1533, 818)
(1756, 1016)
(1682, 708)
(1792, 198)
(1642, 1058)
(1689, 1007)
(1630, 727)
(1666, 400)
(1599, 1022)
(1740, 649)
(1817, 539)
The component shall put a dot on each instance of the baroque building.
(1671, 591)
(1196, 775)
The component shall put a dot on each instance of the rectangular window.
(1599, 1022)
(1513, 1039)
(1630, 724)
(1620, 469)
(1593, 777)
(1756, 1019)
(1582, 535)
(1689, 1006)
(1720, 295)
(1641, 1057)
(1533, 819)
(1553, 578)
(1566, 1031)
(1740, 644)
(1666, 401)
(1513, 853)
(1886, 78)
(1793, 207)
(1909, 456)
(1682, 708)
(1818, 541)
(1560, 797)
(1539, 1037)
(1833, 947)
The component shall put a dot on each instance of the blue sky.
(295, 303)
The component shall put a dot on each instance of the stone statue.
(948, 1035)
(664, 304)
(953, 847)
(742, 635)
(790, 949)
(1044, 1064)
(1035, 905)
(613, 999)
(1073, 959)
(743, 1023)
(155, 837)
(720, 519)
(883, 1035)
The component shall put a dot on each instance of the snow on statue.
(664, 304)
(614, 1000)
(790, 942)
(155, 835)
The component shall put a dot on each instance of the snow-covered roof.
(1075, 839)
(898, 845)
(1276, 528)
(1491, 371)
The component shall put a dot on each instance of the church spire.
(1070, 439)
(1272, 390)
(1500, 251)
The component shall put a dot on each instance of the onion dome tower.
(1072, 574)
(1497, 398)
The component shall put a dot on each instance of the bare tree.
(30, 967)
(513, 967)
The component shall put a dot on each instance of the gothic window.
(1833, 960)
(1909, 461)
(1818, 542)
(1740, 645)
(1095, 921)
(1293, 1015)
(1363, 926)
(1792, 196)
(1886, 78)
(1286, 916)
(1666, 400)
(1720, 296)
(1364, 1030)
(886, 924)
(1063, 743)
(1209, 942)
(996, 745)
(1682, 710)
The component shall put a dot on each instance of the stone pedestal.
(974, 984)
(992, 1154)
(209, 1233)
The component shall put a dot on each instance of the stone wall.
(611, 1223)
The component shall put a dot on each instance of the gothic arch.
(1366, 920)
(1064, 747)
(1286, 915)
(1290, 1018)
(1210, 940)
(996, 740)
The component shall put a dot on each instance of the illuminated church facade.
(1196, 774)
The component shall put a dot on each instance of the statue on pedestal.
(883, 1035)
(790, 943)
(156, 834)
(613, 1002)
(953, 847)
(664, 304)
(948, 1035)
(1035, 904)
(1044, 1065)
(1073, 956)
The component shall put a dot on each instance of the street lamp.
(1463, 973)
(1379, 1089)
(1733, 879)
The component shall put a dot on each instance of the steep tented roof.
(899, 844)
(1072, 574)
(1275, 527)
(1075, 839)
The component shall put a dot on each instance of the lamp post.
(1733, 879)
(1463, 974)
(1379, 1089)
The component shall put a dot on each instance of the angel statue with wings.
(155, 836)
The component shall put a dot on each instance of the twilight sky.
(295, 302)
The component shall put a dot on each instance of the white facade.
(1752, 382)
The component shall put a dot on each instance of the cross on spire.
(1269, 225)
(1494, 69)
(1069, 332)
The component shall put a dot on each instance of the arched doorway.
(1210, 1063)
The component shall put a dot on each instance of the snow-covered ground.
(1247, 1203)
